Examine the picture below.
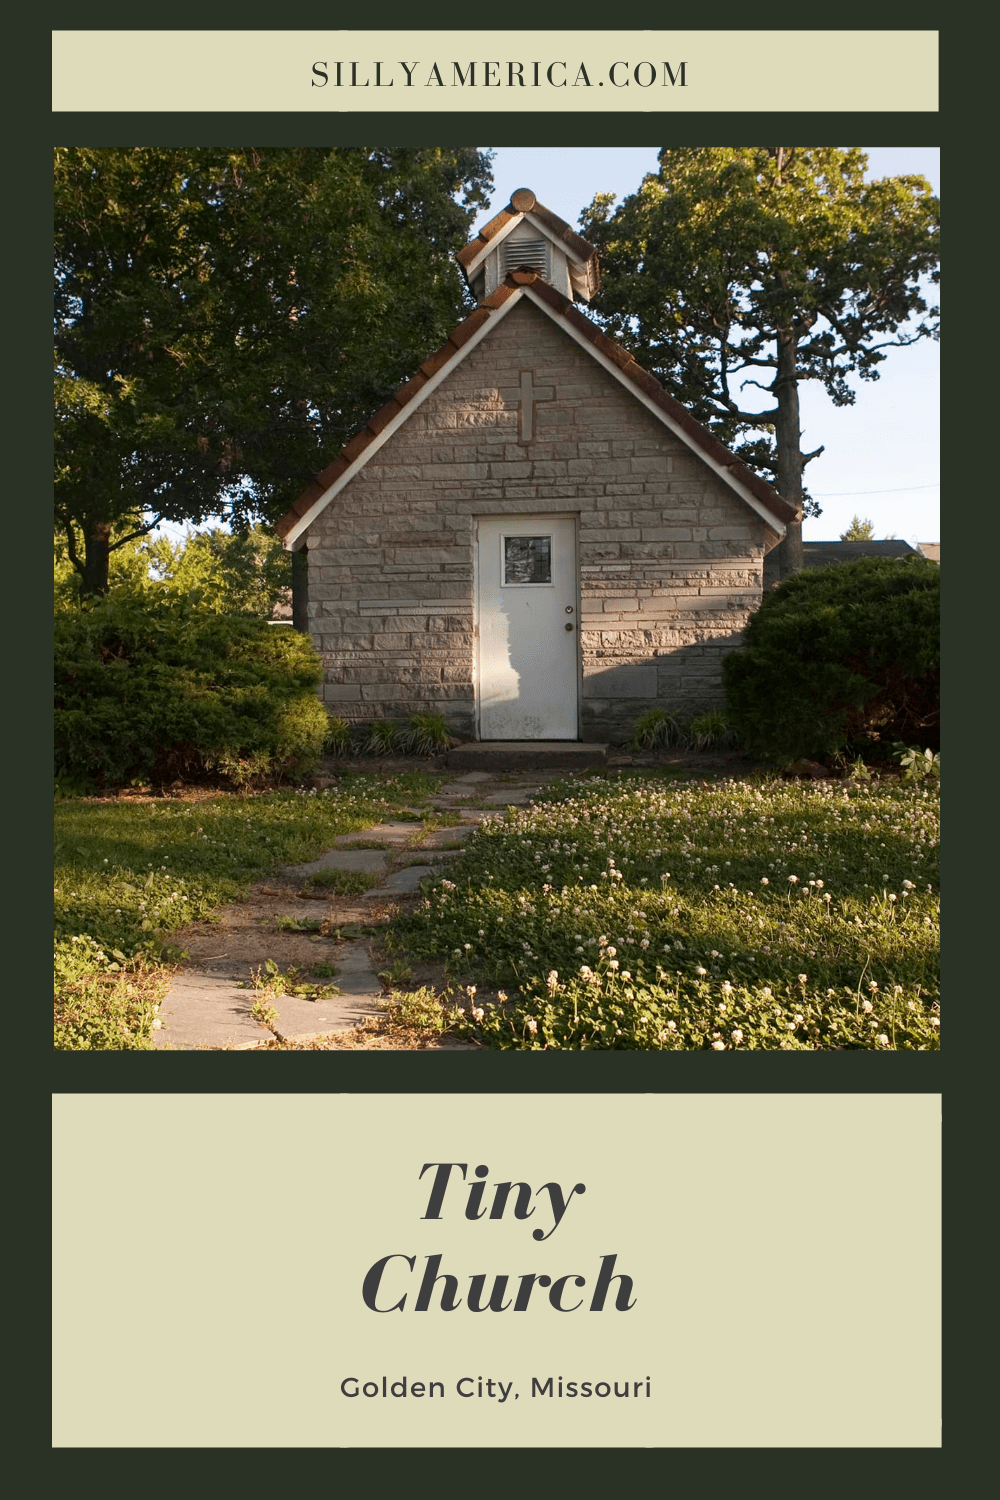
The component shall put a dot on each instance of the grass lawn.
(633, 913)
(130, 872)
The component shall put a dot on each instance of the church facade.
(532, 538)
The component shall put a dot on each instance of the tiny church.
(533, 538)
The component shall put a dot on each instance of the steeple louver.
(524, 255)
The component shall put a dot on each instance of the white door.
(527, 628)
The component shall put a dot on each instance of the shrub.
(427, 734)
(338, 737)
(384, 736)
(711, 731)
(840, 657)
(655, 730)
(153, 687)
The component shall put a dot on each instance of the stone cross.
(530, 393)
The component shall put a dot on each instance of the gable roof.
(749, 487)
(821, 554)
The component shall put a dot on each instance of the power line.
(901, 489)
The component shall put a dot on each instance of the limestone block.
(634, 679)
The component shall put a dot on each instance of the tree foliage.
(742, 267)
(236, 573)
(859, 530)
(225, 318)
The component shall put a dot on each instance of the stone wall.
(670, 558)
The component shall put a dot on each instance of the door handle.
(569, 625)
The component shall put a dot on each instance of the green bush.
(151, 687)
(655, 730)
(840, 657)
(427, 734)
(384, 737)
(338, 737)
(711, 731)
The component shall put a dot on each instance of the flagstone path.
(207, 1005)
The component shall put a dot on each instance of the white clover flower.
(934, 1019)
(727, 988)
(477, 1013)
(764, 880)
(701, 972)
(737, 1036)
(803, 978)
(626, 974)
(718, 1046)
(613, 964)
(882, 1039)
(533, 1027)
(866, 1006)
(612, 952)
(793, 880)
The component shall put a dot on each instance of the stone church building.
(532, 538)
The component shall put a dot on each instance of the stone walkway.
(206, 1007)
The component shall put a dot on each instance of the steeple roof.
(528, 236)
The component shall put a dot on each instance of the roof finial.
(523, 200)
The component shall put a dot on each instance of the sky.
(882, 455)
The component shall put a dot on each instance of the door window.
(527, 560)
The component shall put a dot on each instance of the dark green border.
(702, 1472)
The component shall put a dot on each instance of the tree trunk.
(97, 551)
(788, 437)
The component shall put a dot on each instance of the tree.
(858, 531)
(225, 318)
(762, 266)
